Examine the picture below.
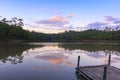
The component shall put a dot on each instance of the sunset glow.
(55, 16)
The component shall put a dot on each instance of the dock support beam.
(109, 61)
(105, 73)
(78, 64)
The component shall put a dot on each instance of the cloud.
(117, 22)
(95, 25)
(54, 21)
(111, 19)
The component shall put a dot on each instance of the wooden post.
(109, 61)
(105, 73)
(78, 64)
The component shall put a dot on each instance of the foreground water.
(52, 61)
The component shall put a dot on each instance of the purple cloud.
(112, 19)
(110, 22)
(95, 25)
(109, 18)
(117, 22)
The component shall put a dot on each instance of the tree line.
(12, 30)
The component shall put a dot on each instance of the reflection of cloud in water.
(60, 56)
(96, 54)
(116, 60)
(57, 55)
(45, 49)
(55, 58)
(56, 50)
(100, 54)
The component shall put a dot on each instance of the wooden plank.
(96, 72)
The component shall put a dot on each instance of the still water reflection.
(52, 61)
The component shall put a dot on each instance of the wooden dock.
(100, 72)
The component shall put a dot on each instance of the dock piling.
(105, 73)
(78, 64)
(109, 61)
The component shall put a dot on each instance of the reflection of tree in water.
(13, 53)
(112, 52)
(14, 60)
(107, 48)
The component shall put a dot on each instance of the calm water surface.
(52, 61)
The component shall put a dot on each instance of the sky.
(55, 16)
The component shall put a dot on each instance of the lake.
(53, 61)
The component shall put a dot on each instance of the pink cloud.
(58, 21)
(56, 18)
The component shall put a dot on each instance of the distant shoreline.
(83, 41)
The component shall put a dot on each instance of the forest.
(12, 30)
